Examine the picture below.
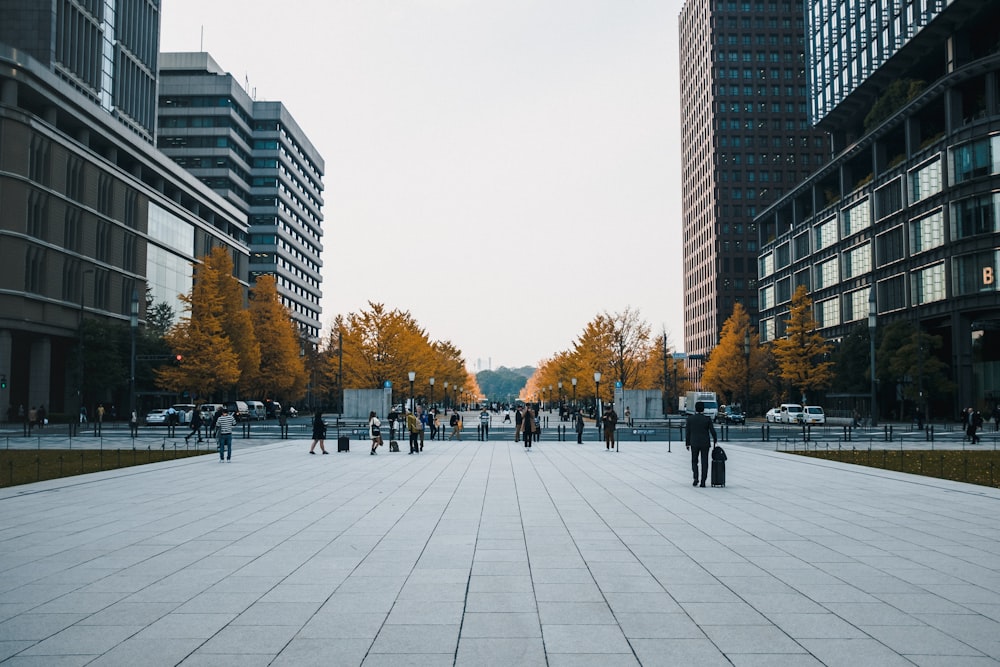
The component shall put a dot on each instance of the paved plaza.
(484, 554)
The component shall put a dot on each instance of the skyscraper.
(256, 156)
(745, 140)
(907, 210)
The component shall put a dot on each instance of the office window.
(976, 215)
(858, 261)
(856, 305)
(857, 218)
(782, 256)
(827, 312)
(826, 234)
(766, 265)
(925, 181)
(888, 199)
(976, 158)
(801, 245)
(34, 270)
(927, 232)
(767, 297)
(977, 273)
(783, 290)
(889, 246)
(827, 274)
(927, 284)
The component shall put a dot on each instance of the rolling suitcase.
(718, 466)
(343, 444)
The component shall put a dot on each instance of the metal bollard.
(847, 433)
(888, 432)
(929, 433)
(765, 432)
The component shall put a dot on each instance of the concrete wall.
(359, 402)
(642, 403)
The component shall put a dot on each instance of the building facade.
(745, 141)
(257, 157)
(910, 203)
(91, 214)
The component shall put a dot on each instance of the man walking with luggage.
(699, 439)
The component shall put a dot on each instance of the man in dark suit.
(700, 438)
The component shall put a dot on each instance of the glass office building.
(910, 202)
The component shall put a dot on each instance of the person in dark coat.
(319, 433)
(195, 425)
(527, 426)
(579, 427)
(699, 438)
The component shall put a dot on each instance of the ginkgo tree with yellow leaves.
(730, 371)
(803, 354)
(368, 348)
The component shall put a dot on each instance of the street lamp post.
(445, 396)
(746, 355)
(550, 398)
(560, 400)
(872, 323)
(597, 398)
(413, 405)
(431, 406)
(134, 326)
(573, 382)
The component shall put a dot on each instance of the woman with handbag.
(374, 431)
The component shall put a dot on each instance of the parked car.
(813, 414)
(184, 412)
(255, 410)
(156, 418)
(728, 415)
(208, 411)
(790, 413)
(773, 416)
(238, 409)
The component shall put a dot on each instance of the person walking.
(133, 425)
(413, 426)
(699, 438)
(609, 421)
(319, 433)
(195, 425)
(975, 423)
(99, 422)
(628, 417)
(578, 425)
(484, 425)
(527, 427)
(518, 423)
(224, 425)
(374, 431)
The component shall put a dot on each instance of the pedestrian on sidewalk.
(99, 422)
(528, 426)
(374, 431)
(319, 433)
(413, 426)
(699, 439)
(133, 425)
(518, 423)
(975, 423)
(224, 425)
(609, 421)
(195, 425)
(578, 425)
(484, 425)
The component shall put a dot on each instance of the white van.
(813, 414)
(255, 410)
(790, 413)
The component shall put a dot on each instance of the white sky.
(504, 170)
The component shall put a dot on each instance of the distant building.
(256, 156)
(90, 212)
(745, 140)
(910, 202)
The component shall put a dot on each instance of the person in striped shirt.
(224, 424)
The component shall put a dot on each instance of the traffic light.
(3, 381)
(179, 357)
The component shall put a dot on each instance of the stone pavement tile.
(416, 639)
(561, 575)
(864, 614)
(773, 660)
(35, 627)
(625, 584)
(360, 602)
(978, 631)
(712, 592)
(439, 576)
(658, 626)
(962, 593)
(764, 584)
(421, 612)
(79, 602)
(147, 652)
(433, 592)
(129, 613)
(584, 639)
(674, 652)
(568, 593)
(919, 640)
(200, 659)
(575, 613)
(751, 639)
(951, 661)
(404, 660)
(853, 652)
(782, 603)
(304, 593)
(592, 660)
(186, 626)
(10, 647)
(362, 583)
(824, 593)
(517, 624)
(250, 639)
(501, 555)
(322, 652)
(814, 626)
(218, 603)
(500, 568)
(642, 602)
(278, 613)
(723, 613)
(500, 584)
(82, 640)
(328, 624)
(495, 652)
